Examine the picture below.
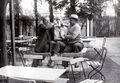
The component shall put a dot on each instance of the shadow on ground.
(111, 71)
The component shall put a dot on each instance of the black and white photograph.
(59, 41)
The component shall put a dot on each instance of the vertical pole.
(86, 28)
(12, 32)
(91, 22)
(20, 28)
(36, 16)
(88, 23)
(3, 50)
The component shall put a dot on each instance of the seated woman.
(59, 33)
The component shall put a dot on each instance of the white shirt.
(74, 33)
(59, 33)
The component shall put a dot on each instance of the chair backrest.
(103, 56)
(104, 41)
(100, 51)
(103, 51)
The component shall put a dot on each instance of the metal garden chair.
(98, 63)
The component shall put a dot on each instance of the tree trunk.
(3, 52)
(72, 7)
(51, 11)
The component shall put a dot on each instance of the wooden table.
(32, 73)
(17, 41)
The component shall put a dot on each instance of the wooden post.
(91, 27)
(3, 51)
(51, 11)
(36, 16)
(12, 32)
(88, 23)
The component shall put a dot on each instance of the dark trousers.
(62, 46)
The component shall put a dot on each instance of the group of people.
(57, 39)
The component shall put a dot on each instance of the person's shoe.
(76, 65)
(51, 64)
(65, 64)
(40, 63)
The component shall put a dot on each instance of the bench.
(31, 56)
(43, 54)
(68, 57)
(35, 56)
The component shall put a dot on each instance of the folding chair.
(98, 63)
(20, 51)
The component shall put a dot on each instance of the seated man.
(73, 35)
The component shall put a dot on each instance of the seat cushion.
(93, 63)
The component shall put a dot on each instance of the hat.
(74, 16)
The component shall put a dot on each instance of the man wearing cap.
(73, 35)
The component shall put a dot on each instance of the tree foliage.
(17, 14)
(86, 9)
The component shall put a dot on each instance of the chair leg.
(73, 74)
(97, 71)
(98, 52)
(21, 57)
(92, 71)
(103, 77)
(3, 79)
(83, 70)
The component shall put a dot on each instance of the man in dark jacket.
(44, 38)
